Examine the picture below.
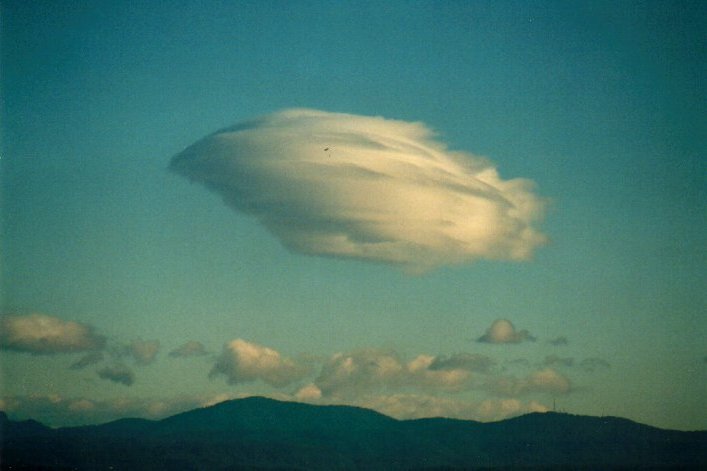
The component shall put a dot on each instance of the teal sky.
(601, 104)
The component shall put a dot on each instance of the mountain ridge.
(263, 433)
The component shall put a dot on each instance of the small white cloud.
(362, 370)
(545, 381)
(309, 393)
(422, 373)
(242, 362)
(549, 381)
(367, 188)
(503, 331)
(41, 334)
(144, 351)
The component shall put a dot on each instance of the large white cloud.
(242, 361)
(43, 334)
(367, 188)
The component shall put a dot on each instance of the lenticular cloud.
(366, 188)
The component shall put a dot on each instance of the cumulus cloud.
(144, 352)
(368, 188)
(242, 362)
(545, 381)
(41, 334)
(117, 373)
(423, 373)
(417, 406)
(363, 371)
(309, 393)
(356, 372)
(548, 380)
(189, 349)
(503, 331)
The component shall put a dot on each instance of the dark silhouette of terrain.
(264, 434)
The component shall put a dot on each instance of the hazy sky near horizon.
(512, 211)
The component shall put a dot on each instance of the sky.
(462, 209)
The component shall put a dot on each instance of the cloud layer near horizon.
(362, 371)
(460, 385)
(367, 188)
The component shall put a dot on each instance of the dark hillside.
(256, 414)
(259, 433)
